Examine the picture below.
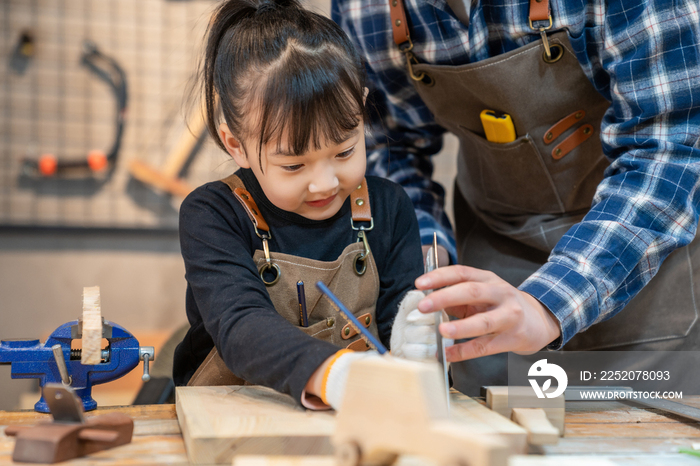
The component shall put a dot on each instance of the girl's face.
(313, 185)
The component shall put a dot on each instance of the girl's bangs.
(310, 102)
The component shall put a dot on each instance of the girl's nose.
(324, 181)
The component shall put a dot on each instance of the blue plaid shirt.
(643, 56)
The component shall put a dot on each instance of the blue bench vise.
(56, 362)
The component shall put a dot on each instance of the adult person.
(596, 194)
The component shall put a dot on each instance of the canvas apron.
(352, 277)
(514, 201)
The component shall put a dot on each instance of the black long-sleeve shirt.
(228, 304)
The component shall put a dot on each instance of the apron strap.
(399, 25)
(539, 11)
(359, 203)
(246, 200)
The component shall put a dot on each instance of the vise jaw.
(56, 362)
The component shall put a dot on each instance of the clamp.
(56, 362)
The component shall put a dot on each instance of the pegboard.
(56, 105)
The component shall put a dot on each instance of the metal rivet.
(254, 212)
(557, 151)
(244, 196)
(586, 130)
(398, 22)
(367, 320)
(330, 322)
(359, 201)
(347, 331)
(394, 3)
(549, 136)
(359, 187)
(578, 115)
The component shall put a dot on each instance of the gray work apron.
(514, 201)
(355, 282)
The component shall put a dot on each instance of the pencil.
(303, 316)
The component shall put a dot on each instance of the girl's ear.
(233, 146)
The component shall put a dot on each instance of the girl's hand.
(496, 315)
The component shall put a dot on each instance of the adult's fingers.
(476, 348)
(483, 323)
(446, 276)
(462, 294)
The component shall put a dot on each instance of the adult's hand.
(496, 315)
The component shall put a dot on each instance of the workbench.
(595, 430)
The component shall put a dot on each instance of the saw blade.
(431, 263)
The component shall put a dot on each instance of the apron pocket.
(506, 178)
(321, 330)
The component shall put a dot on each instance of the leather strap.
(539, 10)
(562, 125)
(399, 25)
(246, 200)
(358, 345)
(359, 203)
(348, 331)
(572, 142)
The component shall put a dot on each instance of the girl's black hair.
(294, 71)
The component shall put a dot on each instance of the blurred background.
(95, 157)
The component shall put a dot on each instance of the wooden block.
(92, 326)
(219, 423)
(257, 460)
(539, 430)
(394, 406)
(504, 399)
(482, 420)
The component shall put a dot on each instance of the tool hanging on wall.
(56, 362)
(23, 52)
(167, 178)
(97, 162)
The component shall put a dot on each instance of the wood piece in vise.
(539, 430)
(91, 352)
(52, 442)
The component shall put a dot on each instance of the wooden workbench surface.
(623, 434)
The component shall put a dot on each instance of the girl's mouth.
(321, 202)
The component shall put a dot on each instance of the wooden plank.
(602, 446)
(220, 422)
(539, 430)
(502, 399)
(538, 460)
(483, 420)
(655, 430)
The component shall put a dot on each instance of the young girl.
(291, 88)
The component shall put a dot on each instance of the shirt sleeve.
(399, 261)
(646, 61)
(402, 135)
(255, 342)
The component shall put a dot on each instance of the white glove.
(413, 334)
(336, 375)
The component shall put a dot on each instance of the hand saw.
(431, 263)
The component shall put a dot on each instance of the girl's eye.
(346, 154)
(292, 168)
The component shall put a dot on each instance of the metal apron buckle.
(548, 56)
